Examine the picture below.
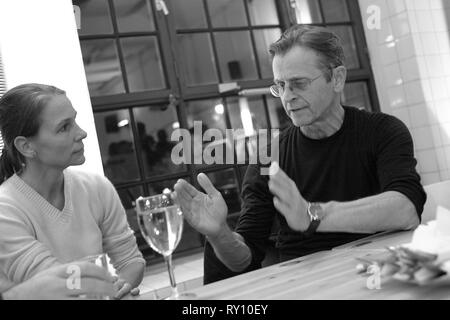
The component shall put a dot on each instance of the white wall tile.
(396, 6)
(424, 21)
(427, 92)
(418, 46)
(429, 43)
(445, 134)
(403, 115)
(388, 54)
(392, 75)
(443, 110)
(436, 132)
(441, 159)
(423, 138)
(421, 5)
(428, 161)
(410, 5)
(439, 89)
(413, 25)
(436, 4)
(396, 97)
(414, 92)
(400, 25)
(439, 20)
(429, 178)
(434, 66)
(405, 47)
(418, 115)
(409, 69)
(385, 34)
(443, 40)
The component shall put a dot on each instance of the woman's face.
(59, 142)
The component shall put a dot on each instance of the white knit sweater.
(35, 235)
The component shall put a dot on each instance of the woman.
(50, 214)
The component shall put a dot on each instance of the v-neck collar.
(45, 206)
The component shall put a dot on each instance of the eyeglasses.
(297, 85)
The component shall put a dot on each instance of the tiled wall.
(410, 57)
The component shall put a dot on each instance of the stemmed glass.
(161, 222)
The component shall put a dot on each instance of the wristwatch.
(313, 209)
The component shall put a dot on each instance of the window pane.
(155, 125)
(335, 10)
(225, 181)
(134, 15)
(278, 117)
(143, 63)
(95, 17)
(348, 43)
(117, 145)
(307, 11)
(356, 94)
(247, 113)
(227, 13)
(188, 14)
(210, 112)
(198, 59)
(263, 12)
(236, 58)
(102, 67)
(263, 39)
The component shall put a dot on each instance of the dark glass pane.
(143, 63)
(247, 113)
(278, 117)
(188, 14)
(198, 59)
(356, 95)
(206, 150)
(335, 10)
(242, 171)
(226, 183)
(102, 67)
(155, 126)
(262, 12)
(307, 11)
(263, 39)
(134, 15)
(117, 145)
(95, 17)
(210, 112)
(227, 13)
(236, 58)
(349, 45)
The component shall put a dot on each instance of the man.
(343, 173)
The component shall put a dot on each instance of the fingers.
(282, 207)
(135, 291)
(206, 184)
(94, 287)
(182, 186)
(91, 270)
(125, 289)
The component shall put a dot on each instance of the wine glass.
(161, 222)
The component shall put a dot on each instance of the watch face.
(313, 210)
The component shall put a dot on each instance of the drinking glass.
(102, 261)
(161, 222)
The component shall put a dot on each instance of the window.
(150, 73)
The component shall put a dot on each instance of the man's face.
(310, 101)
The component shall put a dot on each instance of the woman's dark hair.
(20, 110)
(322, 41)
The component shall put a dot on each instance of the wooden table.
(323, 275)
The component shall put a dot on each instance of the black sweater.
(370, 154)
